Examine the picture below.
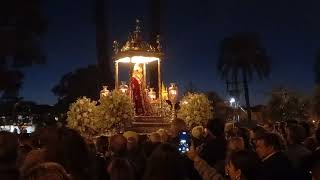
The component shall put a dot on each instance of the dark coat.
(9, 173)
(277, 167)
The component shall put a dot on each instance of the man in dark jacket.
(8, 156)
(275, 163)
(214, 149)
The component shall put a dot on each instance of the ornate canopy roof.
(136, 49)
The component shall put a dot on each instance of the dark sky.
(191, 32)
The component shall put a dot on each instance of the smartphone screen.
(184, 142)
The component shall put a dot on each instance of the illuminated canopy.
(137, 59)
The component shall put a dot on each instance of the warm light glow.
(137, 59)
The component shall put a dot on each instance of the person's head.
(71, 151)
(118, 144)
(163, 135)
(155, 138)
(198, 132)
(102, 144)
(216, 127)
(45, 171)
(242, 165)
(269, 126)
(295, 134)
(256, 132)
(8, 147)
(236, 144)
(132, 140)
(164, 163)
(267, 144)
(120, 169)
(177, 126)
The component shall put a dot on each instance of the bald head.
(118, 144)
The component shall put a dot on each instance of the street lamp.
(104, 92)
(173, 95)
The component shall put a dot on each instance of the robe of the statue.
(138, 96)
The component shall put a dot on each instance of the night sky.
(191, 32)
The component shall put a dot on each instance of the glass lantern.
(152, 94)
(124, 87)
(173, 93)
(104, 92)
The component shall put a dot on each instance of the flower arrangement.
(82, 116)
(115, 110)
(166, 111)
(195, 109)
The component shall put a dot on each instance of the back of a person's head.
(118, 144)
(178, 125)
(216, 126)
(296, 134)
(164, 163)
(121, 169)
(71, 151)
(271, 139)
(236, 144)
(102, 144)
(248, 164)
(8, 147)
(46, 171)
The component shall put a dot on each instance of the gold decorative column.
(116, 75)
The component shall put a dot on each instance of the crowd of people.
(218, 151)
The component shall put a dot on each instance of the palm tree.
(240, 57)
(102, 41)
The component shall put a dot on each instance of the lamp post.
(104, 92)
(173, 95)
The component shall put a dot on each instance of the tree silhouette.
(81, 82)
(284, 105)
(21, 25)
(317, 67)
(240, 57)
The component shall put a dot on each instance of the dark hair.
(216, 126)
(8, 147)
(118, 144)
(271, 139)
(121, 169)
(102, 144)
(46, 170)
(70, 150)
(296, 133)
(164, 163)
(258, 131)
(248, 164)
(244, 133)
(307, 128)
